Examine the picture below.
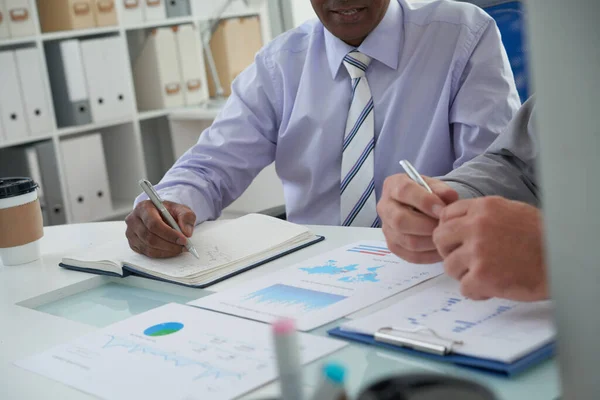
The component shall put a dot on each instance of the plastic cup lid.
(16, 186)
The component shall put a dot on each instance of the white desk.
(25, 330)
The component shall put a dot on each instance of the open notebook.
(226, 248)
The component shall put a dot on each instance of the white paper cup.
(21, 225)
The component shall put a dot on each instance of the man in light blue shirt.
(336, 103)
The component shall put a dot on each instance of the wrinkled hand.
(150, 235)
(409, 214)
(493, 246)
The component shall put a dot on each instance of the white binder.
(132, 11)
(120, 98)
(20, 18)
(4, 33)
(86, 177)
(211, 8)
(155, 10)
(105, 68)
(98, 78)
(157, 74)
(191, 62)
(11, 103)
(48, 165)
(67, 79)
(33, 88)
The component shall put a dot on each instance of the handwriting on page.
(215, 255)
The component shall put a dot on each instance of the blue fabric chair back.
(510, 18)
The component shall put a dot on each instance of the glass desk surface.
(117, 300)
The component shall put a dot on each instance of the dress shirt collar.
(383, 43)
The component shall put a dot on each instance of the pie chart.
(164, 329)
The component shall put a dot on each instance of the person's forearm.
(493, 175)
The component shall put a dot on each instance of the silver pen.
(414, 175)
(158, 203)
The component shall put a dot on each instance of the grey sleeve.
(507, 168)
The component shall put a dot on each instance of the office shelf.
(25, 140)
(78, 33)
(160, 23)
(73, 130)
(17, 41)
(132, 144)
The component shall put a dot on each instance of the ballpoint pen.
(414, 175)
(158, 203)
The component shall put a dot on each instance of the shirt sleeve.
(233, 150)
(486, 97)
(507, 168)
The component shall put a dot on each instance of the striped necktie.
(358, 204)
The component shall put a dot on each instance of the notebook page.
(495, 329)
(250, 235)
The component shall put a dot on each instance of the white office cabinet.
(154, 10)
(157, 73)
(132, 11)
(87, 177)
(4, 33)
(191, 62)
(11, 103)
(33, 89)
(20, 18)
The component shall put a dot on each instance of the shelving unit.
(129, 142)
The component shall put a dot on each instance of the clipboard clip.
(407, 338)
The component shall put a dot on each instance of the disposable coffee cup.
(21, 224)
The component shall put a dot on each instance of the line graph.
(209, 370)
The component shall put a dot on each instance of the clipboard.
(441, 349)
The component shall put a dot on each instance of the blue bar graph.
(291, 296)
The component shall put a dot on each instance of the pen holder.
(425, 387)
(21, 225)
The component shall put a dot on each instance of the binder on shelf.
(210, 9)
(191, 62)
(178, 8)
(63, 15)
(231, 54)
(4, 33)
(105, 12)
(86, 177)
(20, 18)
(46, 158)
(34, 171)
(105, 68)
(154, 10)
(12, 113)
(156, 72)
(120, 98)
(33, 89)
(2, 137)
(68, 83)
(132, 11)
